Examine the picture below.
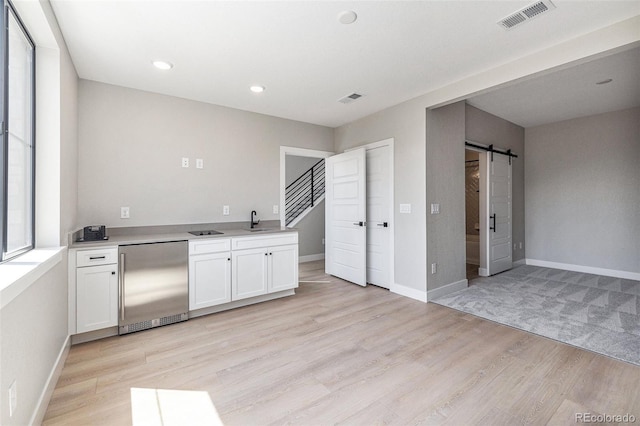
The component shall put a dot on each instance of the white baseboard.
(520, 262)
(409, 292)
(310, 257)
(483, 272)
(446, 289)
(586, 269)
(50, 385)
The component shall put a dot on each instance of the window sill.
(18, 274)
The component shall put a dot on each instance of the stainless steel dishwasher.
(154, 285)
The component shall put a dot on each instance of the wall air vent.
(526, 13)
(350, 98)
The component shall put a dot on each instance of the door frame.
(300, 152)
(392, 252)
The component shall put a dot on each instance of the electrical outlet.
(405, 208)
(13, 398)
(514, 246)
(276, 209)
(185, 162)
(323, 241)
(225, 210)
(434, 268)
(199, 163)
(124, 212)
(520, 245)
(435, 208)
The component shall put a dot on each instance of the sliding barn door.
(345, 216)
(499, 218)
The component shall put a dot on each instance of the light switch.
(435, 208)
(124, 212)
(405, 208)
(276, 209)
(199, 163)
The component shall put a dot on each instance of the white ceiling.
(307, 60)
(569, 93)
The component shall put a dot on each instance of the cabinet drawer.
(214, 245)
(92, 257)
(285, 238)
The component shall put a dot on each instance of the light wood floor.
(338, 353)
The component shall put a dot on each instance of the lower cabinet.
(209, 280)
(96, 294)
(263, 270)
(209, 273)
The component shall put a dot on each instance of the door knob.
(359, 223)
(384, 224)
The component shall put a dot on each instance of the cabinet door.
(209, 280)
(96, 297)
(249, 276)
(283, 264)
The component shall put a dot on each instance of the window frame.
(6, 11)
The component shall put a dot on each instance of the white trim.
(520, 262)
(447, 289)
(586, 269)
(374, 145)
(18, 274)
(302, 152)
(483, 272)
(311, 258)
(409, 292)
(50, 385)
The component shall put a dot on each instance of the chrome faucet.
(253, 213)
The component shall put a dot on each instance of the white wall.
(406, 124)
(132, 142)
(33, 326)
(582, 186)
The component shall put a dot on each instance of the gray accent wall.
(132, 143)
(445, 154)
(582, 187)
(404, 123)
(487, 129)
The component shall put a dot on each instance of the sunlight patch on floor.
(168, 407)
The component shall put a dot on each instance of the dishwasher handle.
(121, 285)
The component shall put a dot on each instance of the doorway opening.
(294, 163)
(472, 212)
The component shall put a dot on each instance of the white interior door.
(345, 216)
(379, 215)
(498, 215)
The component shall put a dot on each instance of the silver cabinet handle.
(121, 281)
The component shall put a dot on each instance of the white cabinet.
(209, 273)
(96, 289)
(267, 267)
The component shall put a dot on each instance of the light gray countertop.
(164, 233)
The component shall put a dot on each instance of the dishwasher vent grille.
(157, 322)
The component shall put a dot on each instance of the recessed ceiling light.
(347, 17)
(257, 89)
(162, 65)
(609, 80)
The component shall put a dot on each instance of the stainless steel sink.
(208, 232)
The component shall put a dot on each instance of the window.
(17, 116)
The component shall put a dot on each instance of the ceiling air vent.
(526, 14)
(350, 98)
